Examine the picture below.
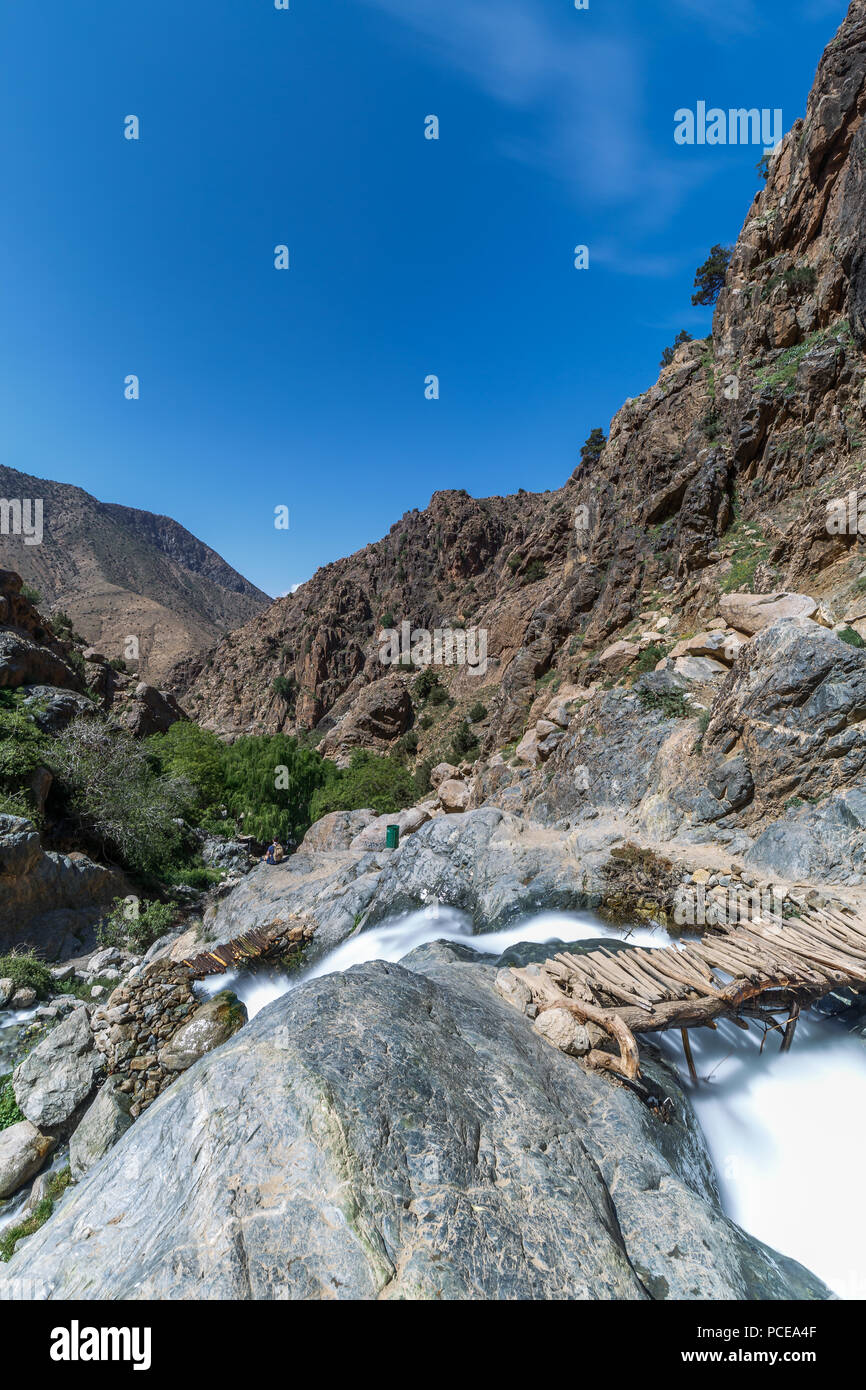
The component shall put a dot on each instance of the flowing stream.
(786, 1131)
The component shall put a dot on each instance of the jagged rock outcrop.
(713, 481)
(273, 1169)
(794, 708)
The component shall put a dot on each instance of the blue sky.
(305, 388)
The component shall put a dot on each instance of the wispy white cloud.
(724, 17)
(580, 96)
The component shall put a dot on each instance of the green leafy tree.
(370, 780)
(464, 741)
(195, 755)
(121, 801)
(269, 782)
(286, 687)
(593, 448)
(710, 277)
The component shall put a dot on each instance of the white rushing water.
(786, 1131)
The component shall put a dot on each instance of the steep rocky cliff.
(716, 479)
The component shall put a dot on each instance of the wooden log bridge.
(758, 966)
(262, 943)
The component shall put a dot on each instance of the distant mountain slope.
(118, 572)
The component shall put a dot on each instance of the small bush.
(28, 592)
(464, 742)
(852, 637)
(650, 657)
(286, 687)
(27, 972)
(477, 712)
(135, 933)
(669, 353)
(671, 703)
(23, 747)
(534, 571)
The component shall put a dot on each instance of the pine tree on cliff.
(593, 448)
(668, 355)
(710, 277)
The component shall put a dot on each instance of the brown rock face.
(714, 480)
(118, 572)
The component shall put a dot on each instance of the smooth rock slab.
(54, 1079)
(751, 613)
(23, 1150)
(209, 1027)
(389, 1134)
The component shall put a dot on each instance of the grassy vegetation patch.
(9, 1112)
(671, 703)
(56, 1186)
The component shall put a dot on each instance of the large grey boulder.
(794, 707)
(490, 864)
(20, 847)
(392, 1134)
(825, 843)
(751, 613)
(103, 1123)
(59, 1074)
(373, 836)
(25, 662)
(53, 708)
(211, 1025)
(49, 901)
(23, 1150)
(336, 830)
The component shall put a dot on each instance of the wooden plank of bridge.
(799, 958)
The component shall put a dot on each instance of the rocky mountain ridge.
(117, 572)
(714, 480)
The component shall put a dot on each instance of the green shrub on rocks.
(137, 932)
(27, 972)
(55, 1187)
(23, 748)
(671, 703)
(650, 657)
(9, 1112)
